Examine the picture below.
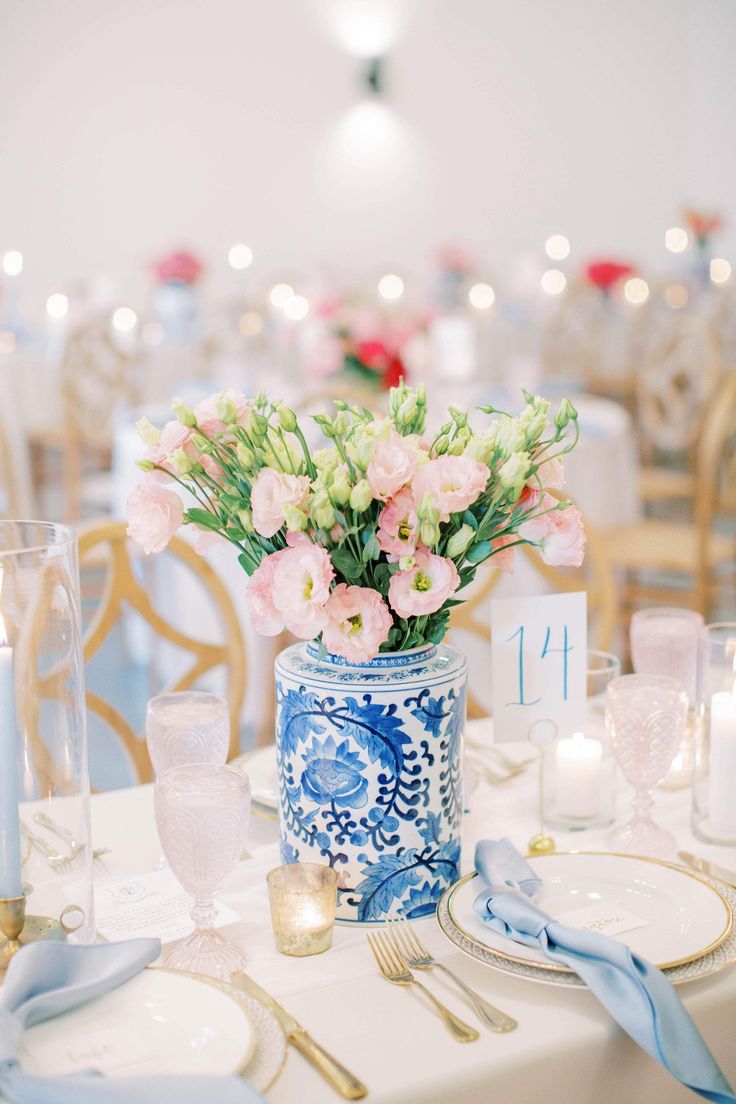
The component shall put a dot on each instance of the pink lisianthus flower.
(264, 616)
(301, 587)
(453, 482)
(209, 421)
(271, 491)
(551, 474)
(392, 466)
(154, 514)
(503, 557)
(425, 587)
(174, 436)
(559, 533)
(398, 525)
(204, 539)
(358, 622)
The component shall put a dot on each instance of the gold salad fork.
(395, 970)
(417, 957)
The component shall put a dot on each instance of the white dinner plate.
(668, 915)
(159, 1022)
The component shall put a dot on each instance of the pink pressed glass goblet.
(202, 816)
(645, 718)
(187, 726)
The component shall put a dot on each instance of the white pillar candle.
(11, 883)
(578, 761)
(722, 804)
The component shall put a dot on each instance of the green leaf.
(479, 552)
(345, 562)
(246, 563)
(382, 575)
(204, 519)
(470, 519)
(372, 549)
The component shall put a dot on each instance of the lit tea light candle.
(723, 763)
(303, 899)
(578, 761)
(11, 884)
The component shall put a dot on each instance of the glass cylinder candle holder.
(44, 777)
(303, 900)
(579, 767)
(664, 641)
(714, 776)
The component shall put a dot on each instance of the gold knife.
(336, 1075)
(713, 870)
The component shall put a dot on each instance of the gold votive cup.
(303, 900)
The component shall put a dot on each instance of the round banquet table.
(566, 1048)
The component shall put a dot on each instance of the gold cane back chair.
(107, 545)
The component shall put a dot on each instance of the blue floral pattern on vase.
(370, 775)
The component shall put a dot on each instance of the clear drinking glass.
(202, 815)
(664, 641)
(714, 778)
(187, 726)
(645, 717)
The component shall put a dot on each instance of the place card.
(601, 917)
(538, 664)
(151, 905)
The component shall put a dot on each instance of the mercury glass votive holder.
(303, 900)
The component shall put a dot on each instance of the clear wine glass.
(187, 726)
(202, 815)
(645, 717)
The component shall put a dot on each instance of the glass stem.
(203, 914)
(642, 804)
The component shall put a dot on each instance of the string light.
(57, 305)
(12, 262)
(636, 290)
(296, 308)
(391, 286)
(557, 247)
(280, 295)
(481, 296)
(7, 342)
(124, 319)
(676, 239)
(676, 296)
(553, 281)
(250, 323)
(240, 256)
(720, 270)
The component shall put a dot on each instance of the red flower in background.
(604, 274)
(702, 224)
(180, 266)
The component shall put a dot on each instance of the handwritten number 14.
(546, 649)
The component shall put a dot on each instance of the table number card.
(538, 663)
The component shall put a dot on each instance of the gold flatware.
(394, 969)
(705, 866)
(335, 1074)
(417, 957)
(56, 860)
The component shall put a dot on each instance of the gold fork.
(395, 970)
(418, 957)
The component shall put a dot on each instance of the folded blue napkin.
(46, 979)
(637, 994)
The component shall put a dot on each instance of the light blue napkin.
(46, 979)
(637, 994)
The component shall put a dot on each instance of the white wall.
(129, 126)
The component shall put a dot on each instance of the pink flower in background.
(180, 265)
(454, 483)
(392, 466)
(398, 523)
(425, 587)
(174, 436)
(208, 418)
(301, 587)
(559, 533)
(271, 491)
(204, 540)
(503, 557)
(358, 622)
(264, 616)
(154, 514)
(551, 474)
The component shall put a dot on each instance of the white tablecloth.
(566, 1048)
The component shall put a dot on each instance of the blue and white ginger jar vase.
(370, 774)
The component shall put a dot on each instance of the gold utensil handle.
(459, 1030)
(490, 1015)
(341, 1079)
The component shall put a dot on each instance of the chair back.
(97, 377)
(106, 545)
(714, 469)
(16, 483)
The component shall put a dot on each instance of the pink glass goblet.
(187, 726)
(645, 718)
(202, 816)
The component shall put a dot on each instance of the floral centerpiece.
(175, 299)
(606, 274)
(362, 548)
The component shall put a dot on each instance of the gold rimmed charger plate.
(458, 933)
